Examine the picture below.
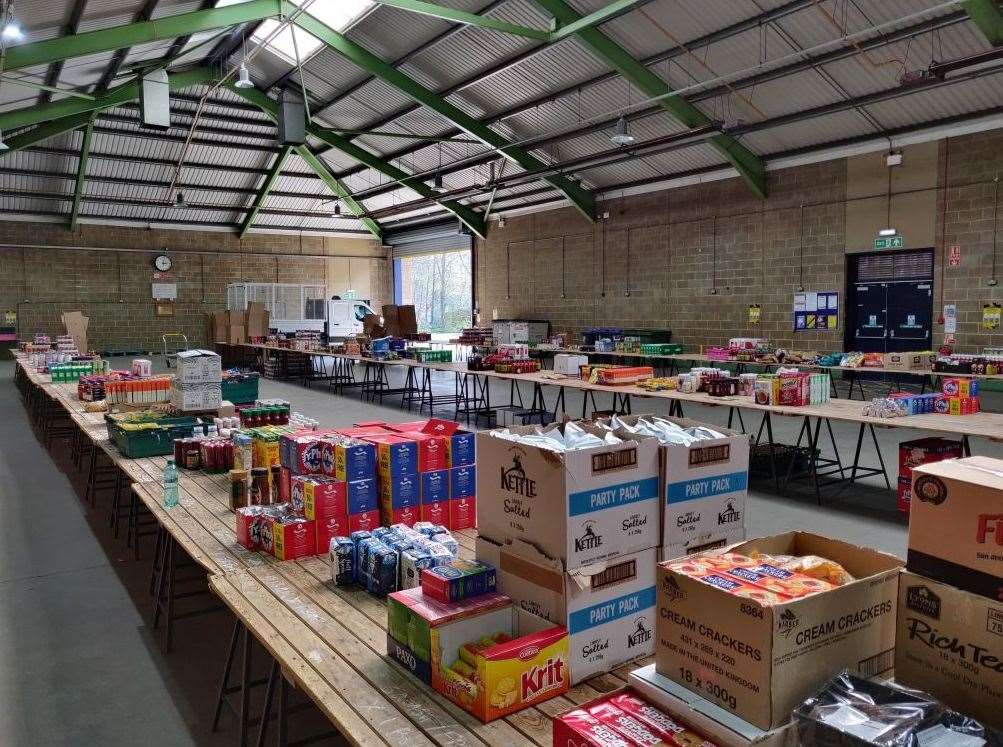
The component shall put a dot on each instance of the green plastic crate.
(241, 392)
(151, 441)
(434, 356)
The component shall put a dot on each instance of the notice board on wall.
(816, 311)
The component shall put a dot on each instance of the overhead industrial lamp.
(244, 77)
(180, 203)
(11, 28)
(438, 184)
(622, 134)
(337, 210)
(3, 145)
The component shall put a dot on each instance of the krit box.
(950, 643)
(411, 617)
(956, 524)
(703, 488)
(318, 496)
(608, 607)
(759, 661)
(580, 506)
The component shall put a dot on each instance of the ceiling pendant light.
(337, 210)
(244, 77)
(622, 134)
(180, 203)
(3, 145)
(438, 184)
(11, 28)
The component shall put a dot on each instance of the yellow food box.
(265, 452)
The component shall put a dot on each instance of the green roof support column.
(747, 163)
(117, 96)
(339, 189)
(266, 187)
(607, 13)
(36, 135)
(143, 32)
(986, 15)
(469, 19)
(85, 154)
(472, 219)
(581, 198)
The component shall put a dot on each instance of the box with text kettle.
(579, 506)
(608, 607)
(703, 487)
(759, 660)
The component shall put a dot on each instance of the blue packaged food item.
(356, 538)
(382, 570)
(381, 532)
(440, 554)
(460, 579)
(439, 529)
(447, 541)
(410, 566)
(425, 527)
(362, 564)
(342, 556)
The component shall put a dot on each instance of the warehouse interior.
(389, 219)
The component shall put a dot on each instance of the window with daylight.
(340, 15)
(440, 286)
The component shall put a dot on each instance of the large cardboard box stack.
(575, 535)
(197, 385)
(257, 318)
(391, 323)
(950, 617)
(759, 660)
(917, 452)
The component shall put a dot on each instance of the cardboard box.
(407, 320)
(372, 328)
(569, 365)
(217, 326)
(704, 487)
(236, 335)
(715, 723)
(400, 492)
(349, 461)
(396, 455)
(956, 524)
(608, 608)
(580, 507)
(922, 451)
(197, 397)
(434, 486)
(364, 522)
(198, 367)
(406, 515)
(679, 550)
(362, 496)
(463, 481)
(437, 513)
(906, 361)
(318, 497)
(328, 529)
(950, 644)
(289, 538)
(460, 444)
(904, 495)
(462, 513)
(760, 661)
(257, 319)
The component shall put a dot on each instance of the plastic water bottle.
(170, 484)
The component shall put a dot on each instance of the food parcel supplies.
(569, 364)
(950, 643)
(703, 480)
(756, 629)
(608, 607)
(483, 653)
(577, 492)
(956, 524)
(199, 367)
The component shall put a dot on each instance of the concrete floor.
(79, 661)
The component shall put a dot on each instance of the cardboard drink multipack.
(579, 506)
(760, 660)
(608, 607)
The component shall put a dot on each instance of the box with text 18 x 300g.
(579, 506)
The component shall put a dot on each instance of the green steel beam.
(340, 190)
(986, 15)
(470, 19)
(144, 32)
(85, 154)
(619, 7)
(472, 219)
(36, 135)
(747, 163)
(581, 198)
(43, 87)
(117, 96)
(263, 191)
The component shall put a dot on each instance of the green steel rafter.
(472, 219)
(339, 189)
(117, 96)
(143, 32)
(748, 164)
(606, 13)
(469, 19)
(85, 154)
(266, 187)
(581, 198)
(987, 16)
(36, 135)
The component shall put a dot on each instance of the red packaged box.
(285, 483)
(365, 522)
(904, 494)
(437, 513)
(327, 529)
(318, 496)
(578, 728)
(291, 537)
(407, 516)
(462, 513)
(920, 451)
(248, 527)
(651, 715)
(432, 451)
(302, 452)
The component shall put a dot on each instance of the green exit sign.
(889, 242)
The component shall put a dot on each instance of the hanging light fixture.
(622, 136)
(3, 145)
(244, 77)
(11, 28)
(437, 184)
(336, 213)
(180, 203)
